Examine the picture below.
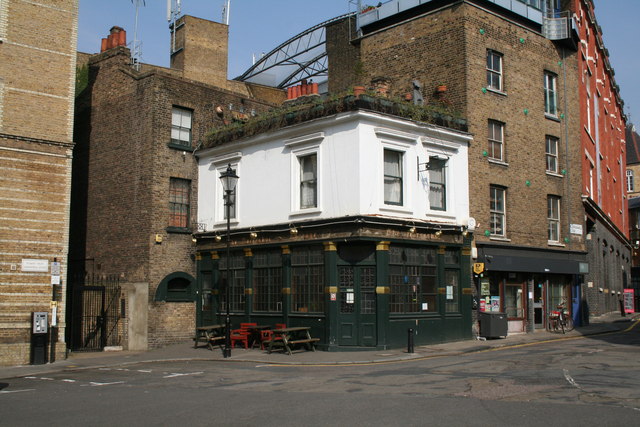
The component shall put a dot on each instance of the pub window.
(412, 276)
(392, 177)
(181, 127)
(307, 280)
(267, 281)
(452, 291)
(236, 288)
(437, 184)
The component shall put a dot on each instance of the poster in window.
(484, 287)
(495, 303)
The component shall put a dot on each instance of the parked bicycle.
(560, 320)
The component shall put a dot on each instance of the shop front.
(528, 284)
(354, 294)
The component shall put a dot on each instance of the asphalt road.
(585, 381)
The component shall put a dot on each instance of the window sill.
(224, 223)
(309, 211)
(556, 244)
(440, 214)
(499, 239)
(397, 209)
(552, 117)
(496, 91)
(180, 147)
(555, 174)
(497, 162)
(178, 230)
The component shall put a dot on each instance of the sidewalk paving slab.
(611, 322)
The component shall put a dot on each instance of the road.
(585, 381)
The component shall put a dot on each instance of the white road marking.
(145, 371)
(16, 391)
(68, 381)
(46, 378)
(570, 380)
(182, 375)
(94, 384)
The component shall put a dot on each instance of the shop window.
(307, 280)
(514, 301)
(267, 281)
(452, 290)
(413, 280)
(237, 282)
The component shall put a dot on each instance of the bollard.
(410, 341)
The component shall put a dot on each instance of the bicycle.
(560, 320)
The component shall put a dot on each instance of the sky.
(258, 26)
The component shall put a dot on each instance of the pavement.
(606, 324)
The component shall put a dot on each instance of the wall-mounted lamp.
(218, 238)
(194, 240)
(412, 230)
(253, 235)
(439, 233)
(293, 231)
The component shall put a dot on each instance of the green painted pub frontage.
(362, 287)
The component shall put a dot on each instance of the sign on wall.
(35, 265)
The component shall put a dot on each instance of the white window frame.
(495, 72)
(444, 184)
(550, 94)
(181, 121)
(300, 147)
(220, 164)
(494, 211)
(551, 157)
(630, 182)
(403, 180)
(493, 124)
(553, 218)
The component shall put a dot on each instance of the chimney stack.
(117, 37)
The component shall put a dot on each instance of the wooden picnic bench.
(289, 337)
(211, 335)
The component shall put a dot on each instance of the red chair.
(281, 325)
(242, 335)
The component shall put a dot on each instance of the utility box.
(493, 324)
(39, 334)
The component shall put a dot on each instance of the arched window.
(176, 287)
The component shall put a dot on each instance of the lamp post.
(229, 180)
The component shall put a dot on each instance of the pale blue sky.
(260, 25)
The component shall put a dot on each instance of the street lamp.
(229, 180)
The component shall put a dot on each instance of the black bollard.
(410, 341)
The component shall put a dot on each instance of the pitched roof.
(633, 145)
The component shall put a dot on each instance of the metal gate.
(95, 314)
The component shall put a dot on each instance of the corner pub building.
(353, 222)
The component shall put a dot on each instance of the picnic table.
(211, 334)
(289, 337)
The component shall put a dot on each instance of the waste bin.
(493, 324)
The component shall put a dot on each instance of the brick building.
(603, 159)
(135, 178)
(37, 85)
(533, 80)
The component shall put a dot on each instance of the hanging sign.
(478, 267)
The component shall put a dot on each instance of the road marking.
(94, 384)
(68, 381)
(570, 380)
(145, 371)
(16, 391)
(182, 375)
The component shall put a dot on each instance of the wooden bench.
(308, 342)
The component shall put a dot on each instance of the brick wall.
(449, 47)
(35, 160)
(124, 166)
